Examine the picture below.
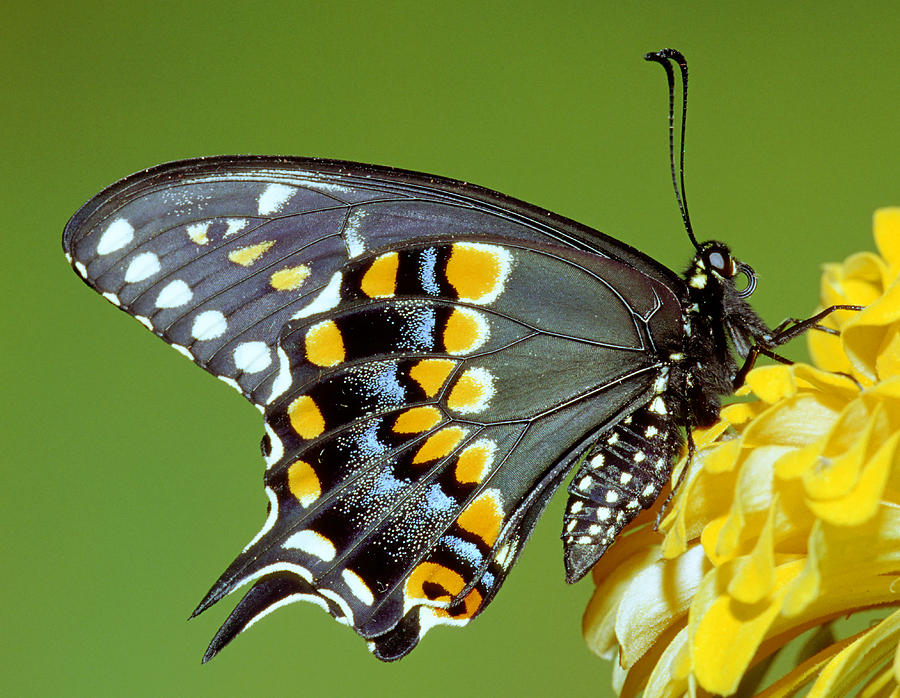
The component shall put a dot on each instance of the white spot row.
(252, 357)
(274, 197)
(117, 234)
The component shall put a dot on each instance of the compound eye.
(720, 261)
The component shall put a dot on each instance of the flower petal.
(861, 503)
(854, 662)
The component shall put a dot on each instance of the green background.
(130, 478)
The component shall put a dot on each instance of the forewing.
(423, 417)
(215, 255)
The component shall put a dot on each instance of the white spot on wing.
(231, 382)
(143, 266)
(352, 235)
(176, 293)
(112, 298)
(327, 299)
(208, 325)
(197, 232)
(274, 197)
(145, 321)
(252, 357)
(313, 543)
(182, 350)
(118, 234)
(358, 587)
(283, 380)
(235, 225)
(81, 269)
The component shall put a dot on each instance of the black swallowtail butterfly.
(431, 359)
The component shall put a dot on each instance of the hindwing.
(430, 358)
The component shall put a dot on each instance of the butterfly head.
(714, 264)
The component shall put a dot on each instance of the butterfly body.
(430, 357)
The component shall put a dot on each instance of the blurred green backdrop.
(132, 478)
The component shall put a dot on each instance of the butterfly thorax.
(720, 328)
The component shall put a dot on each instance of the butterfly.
(431, 359)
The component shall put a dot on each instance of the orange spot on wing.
(465, 331)
(290, 278)
(324, 344)
(380, 281)
(431, 581)
(473, 463)
(474, 270)
(472, 391)
(245, 256)
(430, 374)
(303, 483)
(305, 417)
(417, 420)
(483, 517)
(469, 606)
(439, 444)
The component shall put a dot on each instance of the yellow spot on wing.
(433, 582)
(483, 517)
(304, 483)
(472, 391)
(417, 420)
(245, 256)
(465, 331)
(380, 281)
(430, 374)
(476, 271)
(197, 233)
(473, 463)
(324, 344)
(306, 419)
(290, 278)
(439, 444)
(470, 605)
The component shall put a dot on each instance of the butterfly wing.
(214, 255)
(430, 358)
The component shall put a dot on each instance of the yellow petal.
(854, 662)
(796, 462)
(835, 477)
(643, 616)
(598, 623)
(791, 684)
(796, 421)
(725, 634)
(722, 458)
(806, 586)
(670, 675)
(864, 337)
(737, 413)
(862, 502)
(772, 383)
(754, 574)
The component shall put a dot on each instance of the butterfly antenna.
(665, 57)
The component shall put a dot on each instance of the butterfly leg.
(784, 333)
(624, 472)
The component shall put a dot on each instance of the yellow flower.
(788, 519)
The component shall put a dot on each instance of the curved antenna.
(665, 57)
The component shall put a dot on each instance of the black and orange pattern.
(431, 358)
